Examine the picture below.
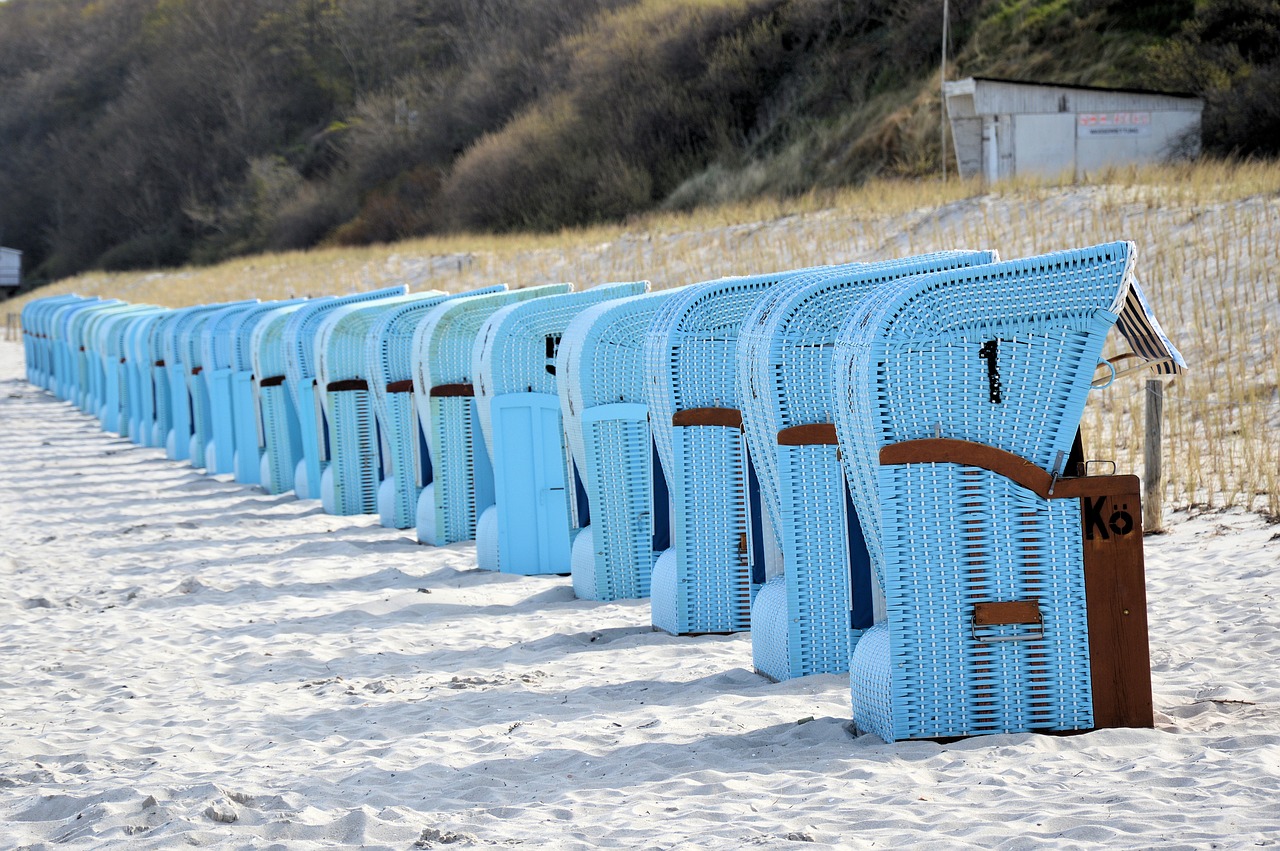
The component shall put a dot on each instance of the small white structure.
(10, 269)
(1004, 128)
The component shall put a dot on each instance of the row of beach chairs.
(873, 467)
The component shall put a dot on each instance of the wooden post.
(1153, 478)
(10, 327)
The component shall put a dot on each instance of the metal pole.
(943, 90)
(1153, 486)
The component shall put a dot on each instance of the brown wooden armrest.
(727, 417)
(812, 434)
(442, 390)
(946, 450)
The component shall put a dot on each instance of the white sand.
(186, 661)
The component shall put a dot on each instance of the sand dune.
(189, 662)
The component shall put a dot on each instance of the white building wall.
(1002, 129)
(10, 267)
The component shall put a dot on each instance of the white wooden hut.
(10, 270)
(1004, 128)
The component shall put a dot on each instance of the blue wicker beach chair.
(535, 488)
(461, 489)
(960, 396)
(704, 581)
(40, 319)
(600, 376)
(300, 369)
(248, 435)
(191, 347)
(64, 382)
(350, 482)
(800, 621)
(177, 439)
(188, 396)
(390, 355)
(217, 344)
(82, 358)
(141, 393)
(66, 354)
(94, 374)
(114, 337)
(280, 436)
(36, 318)
(37, 323)
(155, 432)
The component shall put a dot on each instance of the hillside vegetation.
(147, 133)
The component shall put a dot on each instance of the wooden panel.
(405, 386)
(726, 417)
(196, 370)
(272, 381)
(1006, 613)
(813, 434)
(453, 390)
(1116, 598)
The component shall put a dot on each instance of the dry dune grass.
(1208, 237)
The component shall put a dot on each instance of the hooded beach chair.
(408, 466)
(94, 369)
(114, 338)
(217, 342)
(38, 320)
(960, 395)
(461, 488)
(300, 369)
(191, 346)
(155, 430)
(66, 372)
(350, 483)
(141, 396)
(800, 619)
(704, 581)
(600, 377)
(188, 396)
(278, 426)
(247, 431)
(82, 359)
(35, 336)
(537, 494)
(36, 346)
